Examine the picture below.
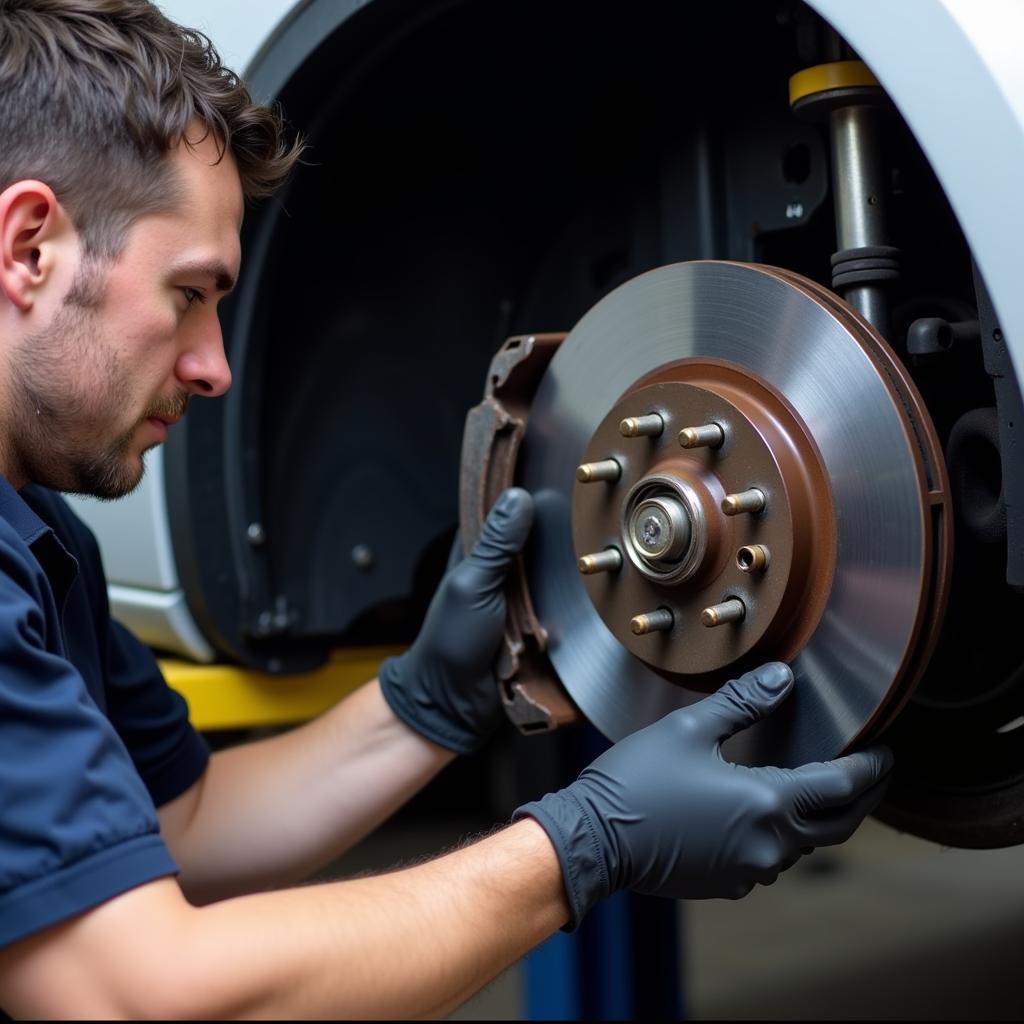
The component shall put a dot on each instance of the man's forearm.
(271, 813)
(412, 943)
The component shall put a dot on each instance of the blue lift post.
(624, 962)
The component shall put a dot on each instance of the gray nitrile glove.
(444, 686)
(663, 813)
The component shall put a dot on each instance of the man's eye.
(193, 295)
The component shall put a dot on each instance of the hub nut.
(660, 529)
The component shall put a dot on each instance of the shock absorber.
(848, 95)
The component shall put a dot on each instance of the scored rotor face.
(813, 529)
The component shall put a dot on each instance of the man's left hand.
(443, 687)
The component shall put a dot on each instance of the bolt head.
(660, 529)
(652, 532)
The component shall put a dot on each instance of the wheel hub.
(745, 521)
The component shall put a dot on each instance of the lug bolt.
(711, 435)
(746, 501)
(753, 558)
(609, 560)
(658, 621)
(607, 469)
(732, 610)
(642, 426)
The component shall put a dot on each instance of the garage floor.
(885, 927)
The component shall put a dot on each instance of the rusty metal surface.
(765, 446)
(533, 697)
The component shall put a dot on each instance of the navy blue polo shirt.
(92, 739)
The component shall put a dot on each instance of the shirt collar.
(25, 522)
(59, 565)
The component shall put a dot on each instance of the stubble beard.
(67, 388)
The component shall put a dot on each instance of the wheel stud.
(711, 435)
(658, 621)
(607, 469)
(642, 426)
(733, 610)
(745, 501)
(609, 560)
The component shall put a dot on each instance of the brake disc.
(730, 466)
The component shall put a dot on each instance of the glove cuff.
(421, 714)
(575, 840)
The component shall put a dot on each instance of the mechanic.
(139, 875)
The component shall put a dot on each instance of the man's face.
(132, 340)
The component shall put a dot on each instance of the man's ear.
(31, 223)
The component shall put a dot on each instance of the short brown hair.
(95, 93)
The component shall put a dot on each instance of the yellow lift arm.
(233, 697)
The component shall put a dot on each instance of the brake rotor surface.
(829, 442)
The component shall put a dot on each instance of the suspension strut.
(846, 94)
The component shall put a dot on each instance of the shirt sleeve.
(77, 825)
(151, 718)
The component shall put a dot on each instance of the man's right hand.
(663, 813)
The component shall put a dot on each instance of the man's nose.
(203, 367)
